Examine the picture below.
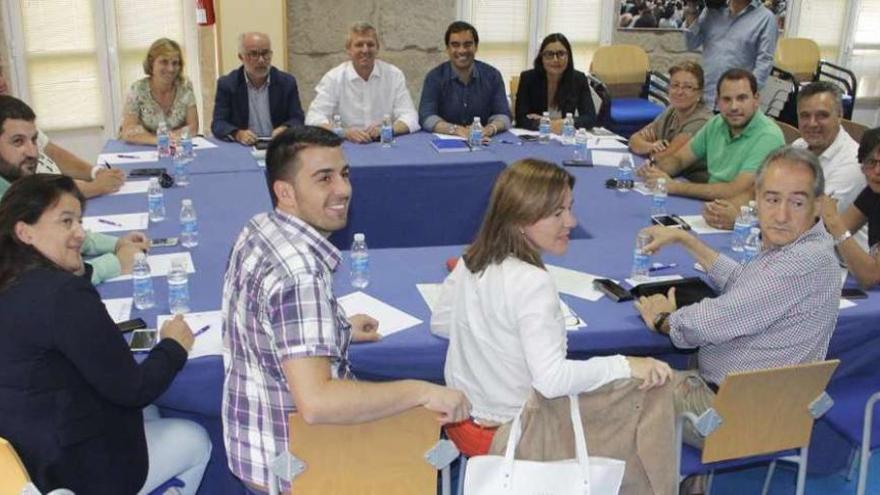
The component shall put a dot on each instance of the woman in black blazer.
(71, 393)
(554, 86)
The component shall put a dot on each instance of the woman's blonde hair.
(163, 47)
(524, 193)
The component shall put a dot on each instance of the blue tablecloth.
(225, 201)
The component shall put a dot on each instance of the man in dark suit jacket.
(255, 100)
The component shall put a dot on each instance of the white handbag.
(496, 475)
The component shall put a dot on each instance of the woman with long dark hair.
(554, 86)
(71, 394)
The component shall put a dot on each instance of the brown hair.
(691, 68)
(160, 47)
(524, 193)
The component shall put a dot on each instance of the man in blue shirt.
(741, 35)
(456, 91)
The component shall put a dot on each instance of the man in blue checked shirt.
(285, 336)
(778, 309)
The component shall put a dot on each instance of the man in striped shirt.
(285, 336)
(778, 309)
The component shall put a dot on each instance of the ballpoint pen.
(201, 330)
(656, 267)
(127, 156)
(109, 222)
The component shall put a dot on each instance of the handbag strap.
(580, 442)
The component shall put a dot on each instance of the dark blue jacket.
(231, 102)
(71, 392)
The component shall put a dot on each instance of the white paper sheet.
(430, 293)
(606, 143)
(119, 309)
(123, 158)
(117, 223)
(449, 137)
(642, 188)
(201, 143)
(846, 303)
(571, 319)
(607, 158)
(133, 187)
(160, 265)
(655, 278)
(391, 320)
(699, 226)
(575, 283)
(207, 343)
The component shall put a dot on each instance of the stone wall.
(665, 47)
(414, 43)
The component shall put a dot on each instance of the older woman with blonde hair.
(165, 95)
(500, 310)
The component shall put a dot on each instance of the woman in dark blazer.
(554, 86)
(71, 393)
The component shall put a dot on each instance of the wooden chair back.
(623, 68)
(800, 56)
(854, 129)
(789, 132)
(766, 411)
(13, 475)
(381, 457)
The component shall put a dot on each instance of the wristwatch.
(842, 237)
(659, 320)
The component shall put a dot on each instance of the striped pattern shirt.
(777, 310)
(278, 304)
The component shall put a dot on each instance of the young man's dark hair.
(13, 108)
(281, 157)
(736, 75)
(459, 26)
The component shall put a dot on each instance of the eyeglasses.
(870, 164)
(550, 55)
(256, 55)
(684, 87)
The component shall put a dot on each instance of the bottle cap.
(359, 237)
(476, 120)
(186, 202)
(154, 181)
(140, 255)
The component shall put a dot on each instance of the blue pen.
(201, 330)
(656, 267)
(109, 222)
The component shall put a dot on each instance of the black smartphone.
(164, 242)
(131, 325)
(261, 145)
(576, 163)
(670, 221)
(611, 289)
(146, 172)
(143, 340)
(853, 293)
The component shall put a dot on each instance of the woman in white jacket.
(500, 310)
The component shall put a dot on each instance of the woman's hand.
(652, 372)
(177, 330)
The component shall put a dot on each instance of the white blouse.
(507, 335)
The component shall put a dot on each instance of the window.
(865, 57)
(511, 31)
(75, 59)
(823, 21)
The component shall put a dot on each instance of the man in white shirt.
(362, 91)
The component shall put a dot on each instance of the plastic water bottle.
(753, 212)
(568, 133)
(641, 259)
(658, 198)
(625, 173)
(581, 152)
(143, 282)
(189, 226)
(163, 141)
(386, 134)
(475, 137)
(181, 167)
(544, 129)
(752, 246)
(178, 287)
(155, 200)
(337, 126)
(741, 228)
(360, 262)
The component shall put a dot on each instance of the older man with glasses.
(256, 100)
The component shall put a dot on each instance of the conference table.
(419, 208)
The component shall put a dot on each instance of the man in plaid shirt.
(285, 337)
(778, 309)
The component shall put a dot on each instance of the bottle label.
(641, 262)
(178, 297)
(154, 202)
(387, 134)
(544, 128)
(741, 231)
(360, 264)
(190, 227)
(143, 285)
(188, 147)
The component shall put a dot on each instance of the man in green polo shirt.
(733, 144)
(19, 157)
